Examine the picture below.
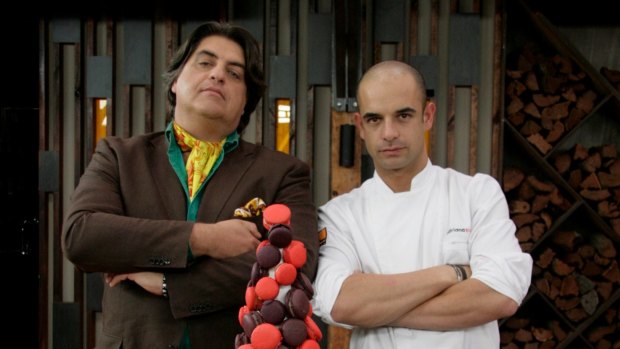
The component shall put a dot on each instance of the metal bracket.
(345, 104)
(347, 54)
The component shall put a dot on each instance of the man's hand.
(150, 281)
(224, 239)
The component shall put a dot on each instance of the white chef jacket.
(446, 217)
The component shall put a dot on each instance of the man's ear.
(357, 118)
(429, 115)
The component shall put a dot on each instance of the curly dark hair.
(254, 75)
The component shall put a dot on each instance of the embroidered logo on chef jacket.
(459, 230)
(322, 236)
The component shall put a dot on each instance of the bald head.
(387, 70)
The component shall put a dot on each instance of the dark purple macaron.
(280, 235)
(250, 321)
(294, 332)
(241, 339)
(273, 311)
(297, 303)
(268, 256)
(303, 283)
(257, 274)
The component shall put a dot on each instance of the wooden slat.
(172, 43)
(310, 134)
(342, 180)
(475, 6)
(451, 134)
(90, 42)
(126, 106)
(413, 29)
(80, 140)
(435, 27)
(89, 116)
(496, 108)
(54, 145)
(434, 49)
(148, 106)
(110, 34)
(43, 240)
(338, 337)
(473, 131)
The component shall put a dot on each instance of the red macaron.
(242, 311)
(265, 336)
(295, 253)
(309, 344)
(276, 214)
(314, 332)
(267, 288)
(285, 274)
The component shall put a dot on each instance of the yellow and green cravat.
(201, 159)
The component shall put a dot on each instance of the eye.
(372, 119)
(234, 74)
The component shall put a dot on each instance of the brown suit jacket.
(128, 214)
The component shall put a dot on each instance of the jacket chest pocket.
(456, 247)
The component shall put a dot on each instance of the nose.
(217, 73)
(390, 130)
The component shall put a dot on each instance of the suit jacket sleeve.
(128, 214)
(117, 221)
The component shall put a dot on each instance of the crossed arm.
(428, 299)
(219, 240)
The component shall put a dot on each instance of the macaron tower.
(277, 313)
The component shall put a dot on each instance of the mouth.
(391, 151)
(214, 91)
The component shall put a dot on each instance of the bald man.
(419, 256)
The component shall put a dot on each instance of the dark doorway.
(19, 144)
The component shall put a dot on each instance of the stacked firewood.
(534, 204)
(524, 332)
(546, 96)
(595, 174)
(577, 272)
(606, 331)
(521, 332)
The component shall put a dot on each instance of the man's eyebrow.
(214, 55)
(406, 110)
(370, 115)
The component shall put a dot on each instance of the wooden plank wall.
(468, 113)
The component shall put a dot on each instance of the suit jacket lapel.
(221, 185)
(168, 184)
